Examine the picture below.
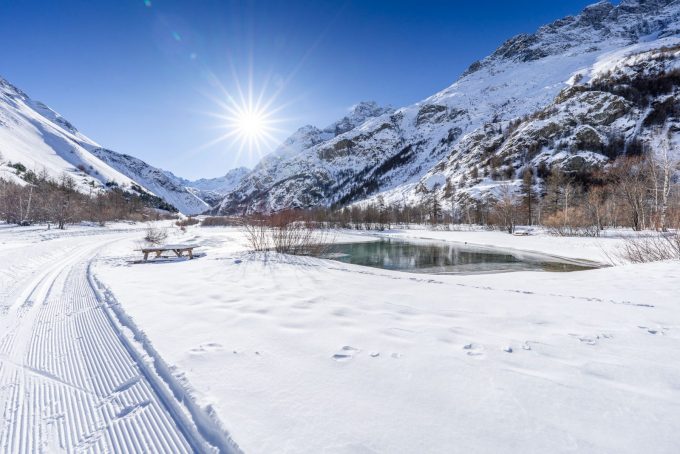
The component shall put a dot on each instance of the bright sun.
(250, 119)
(251, 124)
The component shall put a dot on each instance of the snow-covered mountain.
(554, 96)
(212, 190)
(155, 180)
(292, 166)
(34, 136)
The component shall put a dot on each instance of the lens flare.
(250, 121)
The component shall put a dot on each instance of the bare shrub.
(256, 230)
(571, 222)
(155, 235)
(652, 248)
(291, 234)
(221, 221)
(187, 222)
(287, 232)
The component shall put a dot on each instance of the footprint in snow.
(210, 346)
(655, 331)
(588, 340)
(473, 349)
(591, 340)
(346, 353)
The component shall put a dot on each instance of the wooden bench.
(178, 249)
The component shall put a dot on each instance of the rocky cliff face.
(549, 97)
(623, 109)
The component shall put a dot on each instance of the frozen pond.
(447, 258)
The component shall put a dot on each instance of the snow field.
(308, 355)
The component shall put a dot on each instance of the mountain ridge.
(394, 154)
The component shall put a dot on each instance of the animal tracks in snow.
(347, 353)
(592, 340)
(207, 347)
(655, 331)
(473, 350)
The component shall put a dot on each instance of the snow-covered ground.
(71, 378)
(308, 355)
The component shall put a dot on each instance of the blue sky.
(150, 78)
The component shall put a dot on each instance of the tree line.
(639, 192)
(58, 202)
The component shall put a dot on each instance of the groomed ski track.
(70, 379)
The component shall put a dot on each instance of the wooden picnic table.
(178, 249)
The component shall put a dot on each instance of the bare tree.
(505, 208)
(632, 181)
(664, 165)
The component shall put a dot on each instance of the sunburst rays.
(250, 121)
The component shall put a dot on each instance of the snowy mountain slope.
(222, 185)
(40, 139)
(391, 153)
(154, 180)
(627, 102)
(212, 190)
(294, 165)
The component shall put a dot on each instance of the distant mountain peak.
(630, 20)
(357, 115)
(367, 109)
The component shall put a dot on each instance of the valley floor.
(299, 354)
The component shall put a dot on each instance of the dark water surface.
(446, 258)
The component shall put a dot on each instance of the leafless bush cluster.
(155, 235)
(572, 222)
(221, 221)
(286, 232)
(187, 222)
(651, 248)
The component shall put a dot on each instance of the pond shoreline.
(438, 256)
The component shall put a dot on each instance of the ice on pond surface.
(448, 258)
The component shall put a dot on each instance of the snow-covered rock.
(393, 152)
